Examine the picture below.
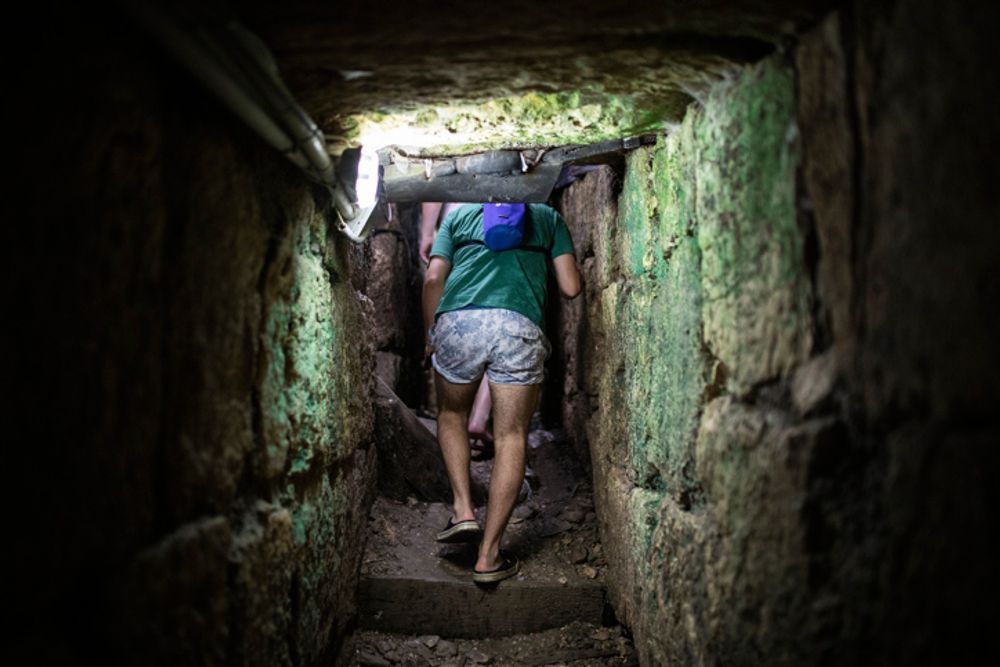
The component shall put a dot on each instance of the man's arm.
(434, 280)
(429, 212)
(567, 275)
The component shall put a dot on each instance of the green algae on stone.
(302, 520)
(705, 270)
(296, 391)
(311, 364)
(637, 209)
(534, 119)
(757, 291)
(678, 379)
(662, 339)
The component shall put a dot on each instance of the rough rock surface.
(776, 362)
(430, 76)
(387, 288)
(592, 209)
(196, 332)
(925, 372)
(784, 362)
(393, 284)
(580, 644)
(409, 458)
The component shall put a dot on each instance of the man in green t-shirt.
(484, 313)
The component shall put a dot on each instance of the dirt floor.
(553, 532)
(577, 644)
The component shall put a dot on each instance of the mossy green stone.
(532, 120)
(705, 271)
(757, 294)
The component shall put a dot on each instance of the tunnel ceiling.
(451, 77)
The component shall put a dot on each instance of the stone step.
(413, 585)
(608, 646)
(456, 607)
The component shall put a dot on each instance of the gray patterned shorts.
(511, 348)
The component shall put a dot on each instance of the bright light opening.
(367, 183)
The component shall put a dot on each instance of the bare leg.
(481, 412)
(454, 401)
(512, 409)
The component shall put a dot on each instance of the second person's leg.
(480, 416)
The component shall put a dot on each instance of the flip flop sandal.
(509, 566)
(463, 531)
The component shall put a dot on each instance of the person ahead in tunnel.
(484, 311)
(430, 214)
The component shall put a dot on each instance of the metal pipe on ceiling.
(236, 67)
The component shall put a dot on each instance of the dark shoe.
(463, 531)
(481, 450)
(509, 566)
(481, 444)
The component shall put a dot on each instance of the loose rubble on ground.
(553, 530)
(577, 644)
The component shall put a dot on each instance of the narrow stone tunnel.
(775, 390)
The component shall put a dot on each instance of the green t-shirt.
(514, 279)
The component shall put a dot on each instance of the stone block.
(680, 597)
(929, 211)
(209, 287)
(409, 458)
(612, 496)
(757, 316)
(388, 288)
(828, 167)
(316, 360)
(940, 500)
(173, 601)
(638, 234)
(662, 333)
(387, 366)
(762, 476)
(813, 381)
(205, 344)
(590, 209)
(263, 562)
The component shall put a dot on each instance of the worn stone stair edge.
(463, 610)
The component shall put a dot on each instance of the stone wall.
(394, 288)
(191, 374)
(924, 372)
(782, 368)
